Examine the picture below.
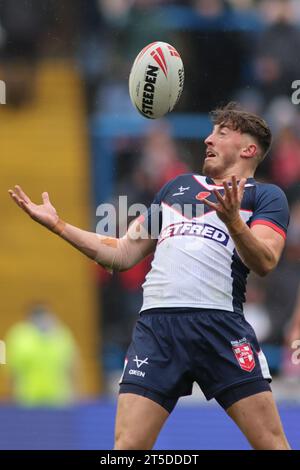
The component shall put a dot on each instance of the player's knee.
(278, 439)
(272, 439)
(127, 441)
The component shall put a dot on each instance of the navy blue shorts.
(172, 348)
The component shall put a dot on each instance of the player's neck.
(227, 177)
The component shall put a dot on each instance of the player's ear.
(249, 151)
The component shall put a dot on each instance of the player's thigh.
(257, 417)
(138, 422)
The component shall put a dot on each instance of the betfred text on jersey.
(149, 89)
(194, 230)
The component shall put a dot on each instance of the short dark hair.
(237, 119)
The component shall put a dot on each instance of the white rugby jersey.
(195, 263)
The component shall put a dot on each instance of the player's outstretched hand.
(228, 207)
(45, 214)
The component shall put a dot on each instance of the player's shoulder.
(271, 205)
(180, 181)
(269, 200)
(269, 191)
(182, 178)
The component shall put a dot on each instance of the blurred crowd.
(243, 50)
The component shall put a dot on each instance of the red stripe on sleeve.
(271, 225)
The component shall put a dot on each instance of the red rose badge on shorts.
(243, 354)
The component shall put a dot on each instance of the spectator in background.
(42, 360)
(160, 160)
(213, 57)
(255, 309)
(243, 4)
(277, 60)
(112, 34)
(23, 24)
(285, 167)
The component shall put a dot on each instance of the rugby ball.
(156, 80)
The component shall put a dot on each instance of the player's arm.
(111, 253)
(259, 247)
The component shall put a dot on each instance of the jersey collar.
(211, 181)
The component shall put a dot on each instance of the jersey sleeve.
(271, 209)
(152, 218)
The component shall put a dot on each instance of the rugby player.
(191, 326)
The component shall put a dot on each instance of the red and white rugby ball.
(156, 80)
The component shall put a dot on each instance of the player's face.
(224, 147)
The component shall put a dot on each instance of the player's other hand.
(228, 207)
(45, 214)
